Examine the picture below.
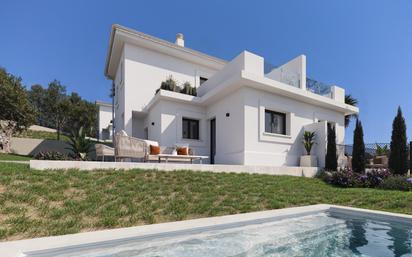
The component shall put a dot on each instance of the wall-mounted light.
(227, 114)
(152, 123)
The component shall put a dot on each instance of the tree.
(331, 160)
(81, 114)
(37, 96)
(398, 158)
(16, 111)
(61, 111)
(349, 99)
(358, 152)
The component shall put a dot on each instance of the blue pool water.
(312, 235)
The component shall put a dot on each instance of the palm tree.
(349, 99)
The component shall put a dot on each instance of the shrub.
(373, 178)
(396, 183)
(343, 178)
(50, 155)
(79, 144)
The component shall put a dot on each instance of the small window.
(190, 128)
(275, 122)
(202, 80)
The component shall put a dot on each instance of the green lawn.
(42, 135)
(44, 203)
(14, 157)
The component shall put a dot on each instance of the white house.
(104, 120)
(241, 114)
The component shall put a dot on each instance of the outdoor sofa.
(127, 147)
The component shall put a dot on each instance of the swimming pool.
(323, 232)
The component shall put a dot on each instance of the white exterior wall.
(105, 116)
(164, 123)
(144, 72)
(119, 103)
(268, 149)
(240, 89)
(229, 130)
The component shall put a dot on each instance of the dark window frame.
(186, 124)
(279, 114)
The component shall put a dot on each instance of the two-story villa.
(241, 114)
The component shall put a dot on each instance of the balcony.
(319, 88)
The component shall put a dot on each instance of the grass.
(45, 203)
(14, 157)
(42, 135)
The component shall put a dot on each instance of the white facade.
(104, 120)
(235, 96)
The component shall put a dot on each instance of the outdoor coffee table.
(166, 157)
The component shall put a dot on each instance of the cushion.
(122, 133)
(154, 149)
(150, 142)
(182, 151)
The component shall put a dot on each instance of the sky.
(363, 46)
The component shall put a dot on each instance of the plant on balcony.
(188, 89)
(171, 85)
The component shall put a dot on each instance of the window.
(275, 122)
(202, 80)
(190, 128)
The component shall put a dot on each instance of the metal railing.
(319, 88)
(371, 149)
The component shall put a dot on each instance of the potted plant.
(381, 156)
(308, 160)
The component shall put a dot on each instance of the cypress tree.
(331, 160)
(358, 152)
(398, 158)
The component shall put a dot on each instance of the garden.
(395, 177)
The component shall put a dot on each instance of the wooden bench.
(166, 157)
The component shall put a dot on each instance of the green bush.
(396, 183)
(51, 155)
(331, 159)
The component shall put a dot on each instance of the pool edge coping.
(42, 245)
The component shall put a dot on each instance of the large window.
(275, 122)
(190, 128)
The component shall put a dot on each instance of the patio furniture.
(166, 157)
(378, 162)
(103, 150)
(128, 147)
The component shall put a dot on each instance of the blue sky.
(363, 46)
